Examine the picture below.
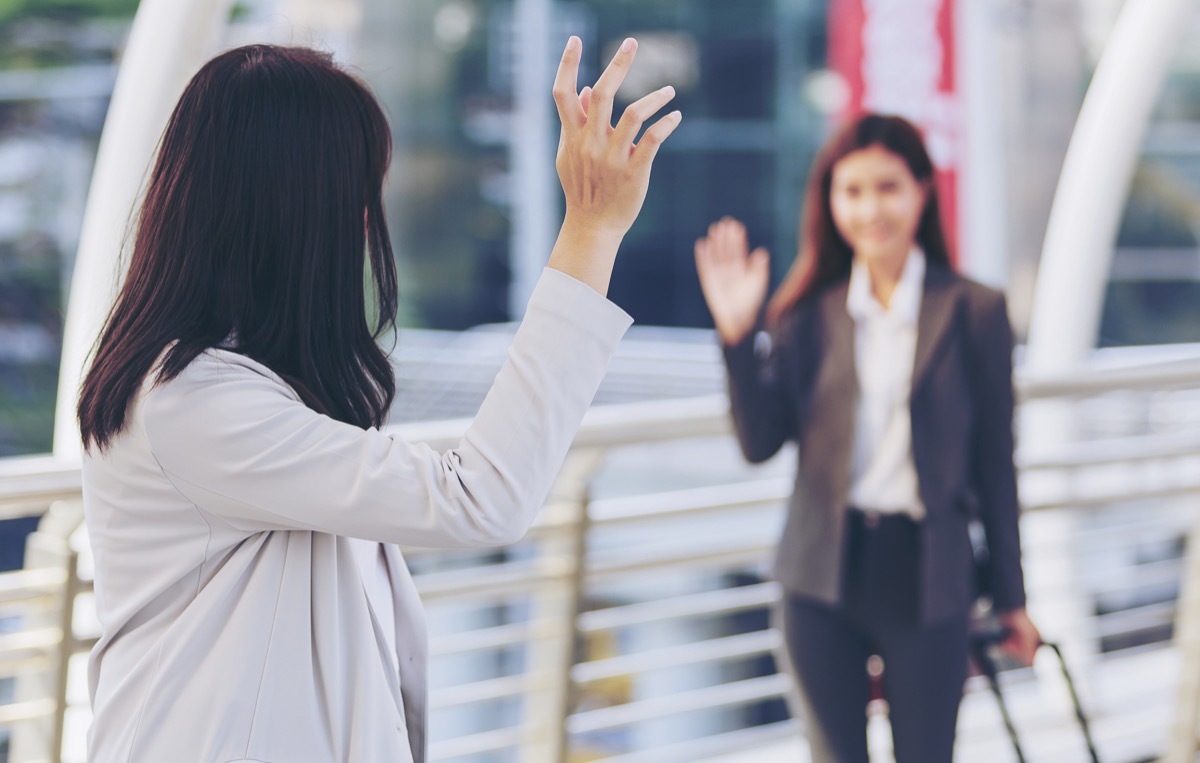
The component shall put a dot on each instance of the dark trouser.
(925, 665)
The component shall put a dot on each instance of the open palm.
(734, 279)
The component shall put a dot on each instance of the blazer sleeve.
(761, 399)
(993, 471)
(238, 443)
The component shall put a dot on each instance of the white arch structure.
(1077, 256)
(168, 42)
(1094, 185)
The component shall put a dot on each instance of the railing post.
(1182, 747)
(40, 739)
(558, 604)
(66, 648)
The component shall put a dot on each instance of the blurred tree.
(11, 10)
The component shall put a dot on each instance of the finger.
(706, 261)
(652, 139)
(728, 235)
(707, 269)
(610, 81)
(585, 98)
(570, 112)
(703, 260)
(760, 261)
(733, 241)
(638, 112)
(717, 238)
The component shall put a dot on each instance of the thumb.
(760, 265)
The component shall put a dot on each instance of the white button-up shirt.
(882, 475)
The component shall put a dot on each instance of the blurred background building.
(474, 206)
(472, 196)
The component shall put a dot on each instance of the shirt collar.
(906, 299)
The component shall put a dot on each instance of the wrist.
(585, 229)
(586, 251)
(733, 333)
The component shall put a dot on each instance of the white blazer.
(235, 622)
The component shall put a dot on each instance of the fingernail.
(676, 114)
(627, 46)
(669, 90)
(572, 43)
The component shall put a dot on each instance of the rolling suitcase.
(981, 642)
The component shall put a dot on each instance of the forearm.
(761, 412)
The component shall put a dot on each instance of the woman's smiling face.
(876, 204)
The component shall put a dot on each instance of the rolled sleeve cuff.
(577, 303)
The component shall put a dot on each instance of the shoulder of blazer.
(801, 326)
(984, 303)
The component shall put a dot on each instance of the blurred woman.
(893, 376)
(242, 505)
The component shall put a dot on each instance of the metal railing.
(632, 624)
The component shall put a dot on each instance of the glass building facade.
(750, 77)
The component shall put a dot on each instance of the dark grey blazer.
(802, 386)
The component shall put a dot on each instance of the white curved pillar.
(168, 42)
(1091, 194)
(1072, 274)
(536, 200)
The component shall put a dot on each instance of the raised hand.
(734, 279)
(604, 174)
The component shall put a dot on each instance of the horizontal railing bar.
(1146, 616)
(23, 585)
(693, 653)
(1086, 501)
(36, 481)
(29, 640)
(724, 558)
(609, 425)
(494, 637)
(704, 747)
(716, 602)
(1122, 450)
(1087, 381)
(27, 711)
(721, 695)
(19, 664)
(483, 691)
(665, 505)
(1144, 577)
(507, 577)
(1117, 535)
(477, 744)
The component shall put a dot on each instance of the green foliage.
(14, 10)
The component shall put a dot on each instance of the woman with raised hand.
(242, 505)
(893, 376)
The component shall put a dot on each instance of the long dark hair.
(261, 207)
(824, 256)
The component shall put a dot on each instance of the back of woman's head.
(824, 255)
(263, 202)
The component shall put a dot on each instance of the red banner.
(897, 57)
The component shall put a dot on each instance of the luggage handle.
(981, 642)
